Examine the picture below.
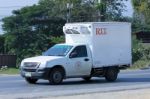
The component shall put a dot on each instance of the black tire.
(87, 78)
(111, 74)
(31, 80)
(56, 76)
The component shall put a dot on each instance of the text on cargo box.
(101, 31)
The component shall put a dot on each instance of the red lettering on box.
(101, 31)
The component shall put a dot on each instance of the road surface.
(15, 87)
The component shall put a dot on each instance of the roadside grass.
(9, 71)
(141, 64)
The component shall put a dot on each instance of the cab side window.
(79, 51)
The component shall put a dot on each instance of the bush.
(137, 50)
(3, 68)
(140, 54)
(141, 64)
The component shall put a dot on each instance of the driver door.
(80, 61)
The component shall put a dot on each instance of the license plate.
(28, 74)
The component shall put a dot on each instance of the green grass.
(141, 64)
(10, 71)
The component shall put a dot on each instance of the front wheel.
(56, 76)
(111, 74)
(31, 80)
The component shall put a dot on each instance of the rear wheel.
(111, 74)
(31, 80)
(56, 76)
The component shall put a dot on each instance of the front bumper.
(35, 73)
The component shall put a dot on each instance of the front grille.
(31, 64)
(29, 70)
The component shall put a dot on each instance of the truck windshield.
(58, 50)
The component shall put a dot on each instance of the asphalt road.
(16, 87)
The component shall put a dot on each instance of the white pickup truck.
(92, 49)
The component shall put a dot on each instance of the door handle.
(86, 59)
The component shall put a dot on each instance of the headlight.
(31, 64)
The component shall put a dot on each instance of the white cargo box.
(110, 42)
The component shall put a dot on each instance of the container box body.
(110, 42)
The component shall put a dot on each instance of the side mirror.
(73, 55)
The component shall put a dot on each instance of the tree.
(32, 29)
(141, 15)
(110, 10)
(88, 10)
(2, 40)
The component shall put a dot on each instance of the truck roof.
(100, 23)
(74, 44)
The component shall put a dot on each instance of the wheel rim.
(57, 77)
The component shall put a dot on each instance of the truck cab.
(67, 60)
